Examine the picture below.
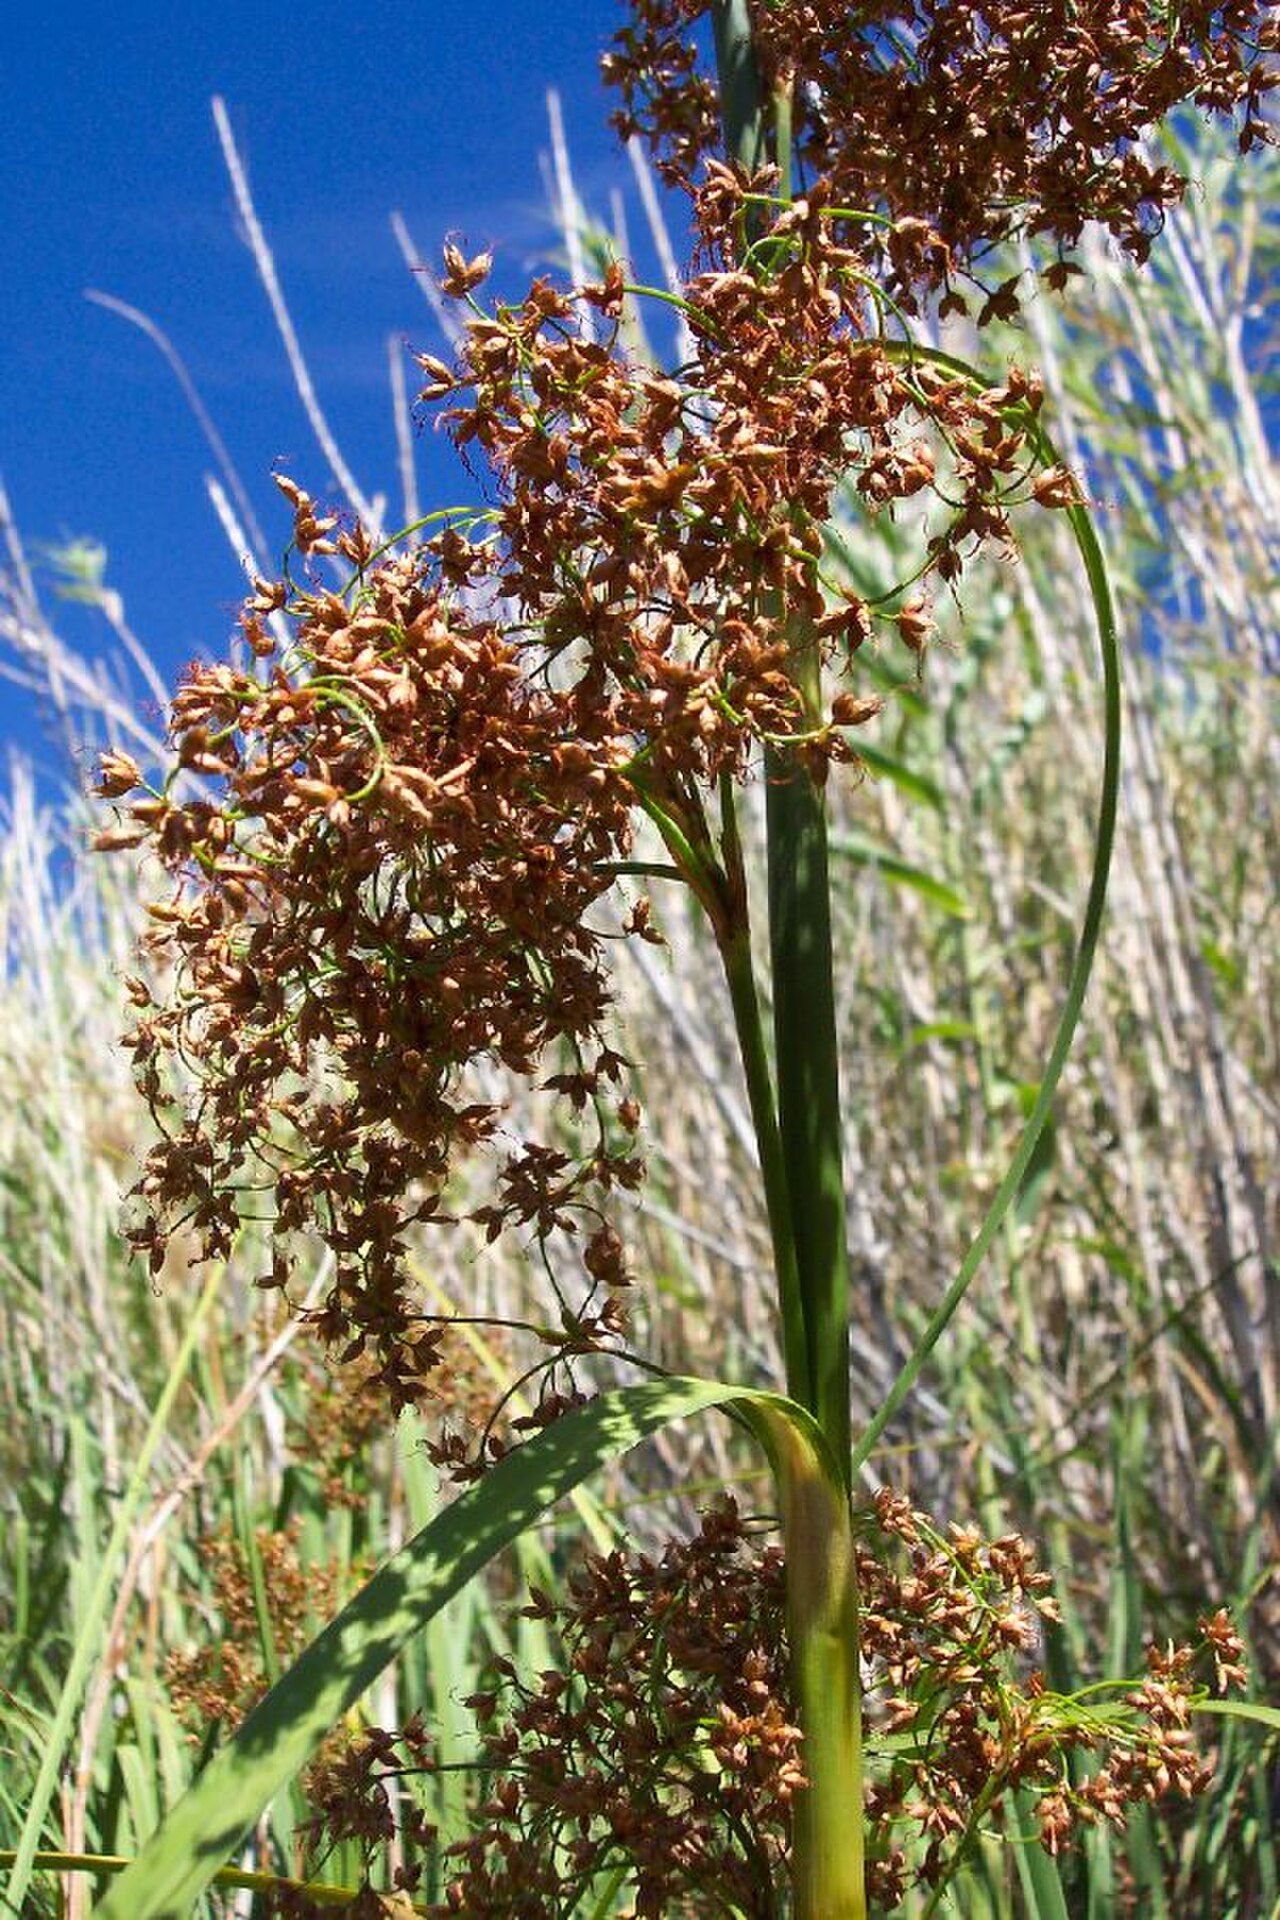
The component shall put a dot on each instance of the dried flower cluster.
(386, 888)
(948, 129)
(385, 880)
(389, 840)
(385, 884)
(958, 1716)
(222, 1678)
(665, 1747)
(358, 1797)
(337, 1425)
(350, 1788)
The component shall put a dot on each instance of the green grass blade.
(89, 1639)
(1253, 1710)
(886, 766)
(1041, 1887)
(282, 1732)
(1082, 966)
(867, 851)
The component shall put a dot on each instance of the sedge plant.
(405, 837)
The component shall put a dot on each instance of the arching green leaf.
(284, 1730)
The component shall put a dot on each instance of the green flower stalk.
(828, 1874)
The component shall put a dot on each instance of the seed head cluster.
(220, 1677)
(382, 883)
(959, 1715)
(662, 1746)
(349, 1787)
(948, 129)
(391, 838)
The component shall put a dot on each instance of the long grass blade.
(96, 1613)
(1082, 966)
(282, 1732)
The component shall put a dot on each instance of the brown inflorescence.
(382, 883)
(222, 1677)
(947, 130)
(351, 1787)
(665, 1745)
(392, 838)
(951, 1626)
(389, 839)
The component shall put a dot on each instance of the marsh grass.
(1109, 1386)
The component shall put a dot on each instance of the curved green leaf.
(1241, 1710)
(939, 1030)
(284, 1730)
(886, 766)
(870, 852)
(1006, 1195)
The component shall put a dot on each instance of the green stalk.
(807, 1054)
(735, 954)
(828, 1875)
(741, 98)
(317, 1892)
(804, 1017)
(828, 1869)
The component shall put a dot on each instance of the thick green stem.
(740, 974)
(741, 97)
(828, 1880)
(805, 1045)
(828, 1869)
(804, 1017)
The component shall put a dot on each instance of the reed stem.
(827, 1865)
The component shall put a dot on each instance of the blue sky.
(111, 177)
